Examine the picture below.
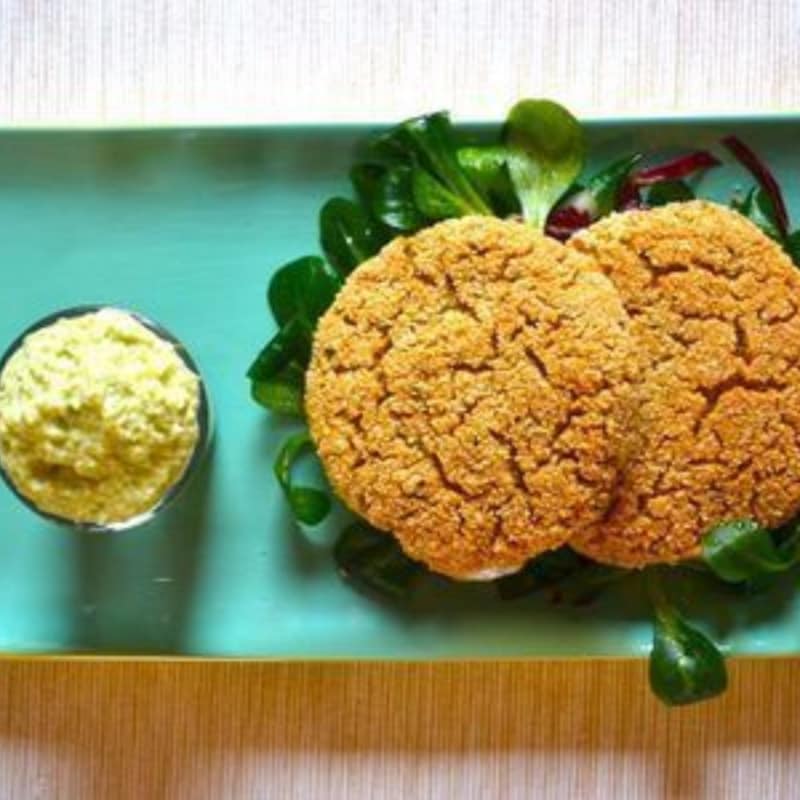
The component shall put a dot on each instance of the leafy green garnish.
(429, 145)
(575, 580)
(660, 194)
(543, 572)
(583, 204)
(685, 665)
(291, 344)
(605, 187)
(395, 200)
(282, 393)
(347, 234)
(388, 195)
(302, 290)
(310, 506)
(366, 177)
(587, 584)
(759, 208)
(546, 154)
(764, 204)
(373, 561)
(298, 295)
(368, 182)
(743, 550)
(487, 167)
(434, 199)
(792, 246)
(771, 206)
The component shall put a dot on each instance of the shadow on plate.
(136, 587)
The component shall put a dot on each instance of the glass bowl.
(204, 421)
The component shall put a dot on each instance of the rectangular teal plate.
(185, 226)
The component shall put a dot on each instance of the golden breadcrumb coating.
(713, 304)
(470, 391)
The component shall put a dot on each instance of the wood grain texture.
(472, 731)
(558, 730)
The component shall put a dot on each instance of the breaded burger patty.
(469, 391)
(714, 308)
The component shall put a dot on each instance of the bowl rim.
(204, 419)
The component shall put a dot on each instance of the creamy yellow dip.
(98, 417)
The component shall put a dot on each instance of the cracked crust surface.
(713, 304)
(469, 391)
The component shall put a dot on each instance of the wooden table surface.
(554, 730)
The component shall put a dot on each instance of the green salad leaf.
(291, 344)
(347, 234)
(430, 143)
(546, 154)
(302, 290)
(487, 168)
(575, 580)
(310, 506)
(388, 194)
(759, 208)
(543, 572)
(373, 561)
(660, 194)
(587, 584)
(434, 199)
(742, 550)
(767, 206)
(584, 203)
(395, 201)
(282, 392)
(793, 246)
(605, 187)
(685, 665)
(298, 294)
(366, 177)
